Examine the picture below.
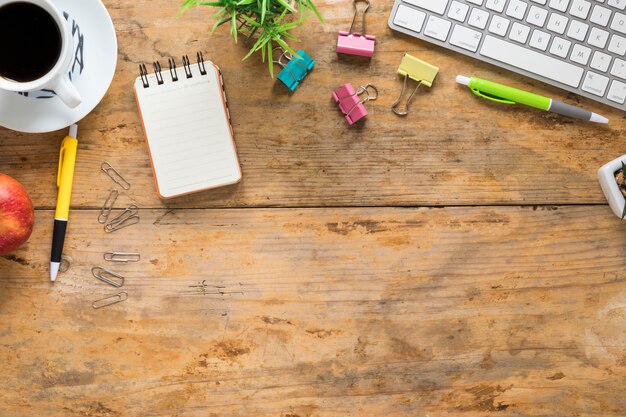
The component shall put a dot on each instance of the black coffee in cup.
(30, 42)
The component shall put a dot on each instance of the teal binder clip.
(295, 69)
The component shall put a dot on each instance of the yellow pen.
(65, 178)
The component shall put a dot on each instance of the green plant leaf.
(263, 10)
(286, 5)
(270, 58)
(311, 6)
(233, 27)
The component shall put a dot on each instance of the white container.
(606, 176)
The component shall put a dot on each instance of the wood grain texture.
(247, 304)
(296, 149)
(323, 312)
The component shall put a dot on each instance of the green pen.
(508, 95)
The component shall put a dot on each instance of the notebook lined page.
(188, 132)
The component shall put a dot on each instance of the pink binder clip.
(355, 43)
(349, 102)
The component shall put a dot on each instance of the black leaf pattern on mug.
(78, 55)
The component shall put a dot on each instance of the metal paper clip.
(355, 43)
(295, 69)
(123, 257)
(349, 102)
(107, 276)
(110, 299)
(127, 218)
(117, 178)
(417, 70)
(108, 206)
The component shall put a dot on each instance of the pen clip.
(61, 156)
(491, 98)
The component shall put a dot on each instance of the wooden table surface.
(461, 261)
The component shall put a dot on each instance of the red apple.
(17, 216)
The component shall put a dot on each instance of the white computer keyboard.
(577, 45)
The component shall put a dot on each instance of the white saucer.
(96, 43)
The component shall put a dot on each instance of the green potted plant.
(265, 22)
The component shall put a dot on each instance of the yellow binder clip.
(417, 70)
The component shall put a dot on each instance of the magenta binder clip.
(351, 104)
(354, 43)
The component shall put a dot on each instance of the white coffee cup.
(57, 78)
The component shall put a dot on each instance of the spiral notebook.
(186, 121)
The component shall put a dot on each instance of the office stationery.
(415, 69)
(107, 207)
(187, 126)
(355, 43)
(579, 48)
(127, 218)
(122, 257)
(115, 176)
(507, 95)
(108, 276)
(110, 300)
(295, 69)
(349, 102)
(93, 61)
(65, 179)
(609, 175)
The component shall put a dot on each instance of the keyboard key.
(499, 25)
(595, 83)
(619, 69)
(409, 18)
(617, 92)
(495, 5)
(580, 8)
(435, 6)
(537, 16)
(580, 54)
(519, 33)
(542, 2)
(598, 38)
(600, 61)
(458, 11)
(478, 18)
(437, 28)
(560, 47)
(557, 23)
(531, 61)
(617, 45)
(577, 30)
(619, 4)
(560, 5)
(600, 15)
(516, 9)
(465, 38)
(619, 22)
(539, 40)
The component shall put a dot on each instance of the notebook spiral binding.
(158, 70)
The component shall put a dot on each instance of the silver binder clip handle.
(394, 106)
(356, 11)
